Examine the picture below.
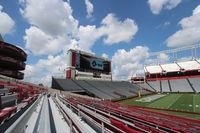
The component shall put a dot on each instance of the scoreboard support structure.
(83, 65)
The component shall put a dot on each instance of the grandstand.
(89, 101)
(173, 77)
(91, 75)
(177, 87)
(186, 68)
(12, 60)
(112, 90)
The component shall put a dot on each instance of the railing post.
(79, 112)
(102, 127)
(70, 126)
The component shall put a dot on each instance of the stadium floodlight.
(174, 51)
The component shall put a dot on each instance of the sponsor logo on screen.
(96, 64)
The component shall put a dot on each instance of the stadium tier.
(173, 77)
(178, 84)
(175, 69)
(101, 89)
(12, 60)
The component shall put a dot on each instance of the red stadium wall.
(73, 59)
(68, 74)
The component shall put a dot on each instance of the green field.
(180, 102)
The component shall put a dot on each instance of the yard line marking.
(174, 102)
(194, 106)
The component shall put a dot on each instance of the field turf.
(181, 102)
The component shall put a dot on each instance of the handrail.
(72, 120)
(20, 124)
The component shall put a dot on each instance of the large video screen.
(91, 64)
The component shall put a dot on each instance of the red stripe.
(73, 59)
(173, 78)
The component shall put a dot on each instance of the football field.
(181, 102)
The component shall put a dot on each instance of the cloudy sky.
(125, 31)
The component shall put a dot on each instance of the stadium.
(94, 66)
(88, 100)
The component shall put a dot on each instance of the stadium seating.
(180, 85)
(145, 87)
(139, 119)
(174, 85)
(154, 84)
(176, 69)
(8, 100)
(3, 91)
(67, 85)
(165, 86)
(3, 116)
(93, 90)
(111, 90)
(103, 87)
(195, 82)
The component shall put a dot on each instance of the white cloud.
(157, 5)
(6, 22)
(189, 32)
(53, 32)
(89, 8)
(117, 31)
(40, 43)
(163, 58)
(113, 31)
(42, 71)
(196, 10)
(51, 16)
(128, 63)
(87, 36)
(105, 55)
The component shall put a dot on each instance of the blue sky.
(123, 31)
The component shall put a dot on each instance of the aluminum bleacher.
(146, 86)
(173, 85)
(195, 82)
(67, 85)
(4, 91)
(173, 77)
(155, 85)
(104, 88)
(180, 85)
(165, 86)
(120, 88)
(131, 119)
(111, 90)
(93, 90)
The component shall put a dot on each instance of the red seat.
(130, 130)
(3, 115)
(118, 124)
(10, 110)
(153, 130)
(142, 126)
(28, 100)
